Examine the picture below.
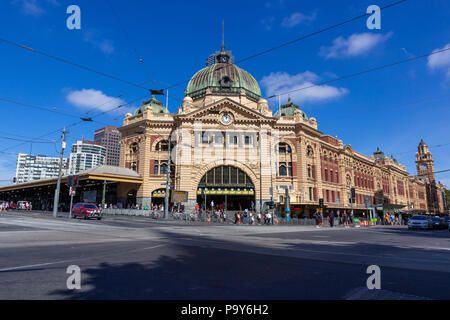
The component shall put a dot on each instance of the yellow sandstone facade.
(227, 145)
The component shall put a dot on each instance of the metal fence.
(202, 217)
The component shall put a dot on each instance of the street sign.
(165, 184)
(72, 191)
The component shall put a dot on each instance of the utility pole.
(166, 201)
(58, 184)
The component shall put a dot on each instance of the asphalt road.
(137, 258)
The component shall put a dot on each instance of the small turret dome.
(157, 106)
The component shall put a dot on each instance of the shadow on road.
(200, 269)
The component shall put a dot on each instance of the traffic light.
(321, 203)
(72, 181)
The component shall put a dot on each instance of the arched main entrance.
(228, 187)
(131, 198)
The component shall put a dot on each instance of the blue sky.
(392, 108)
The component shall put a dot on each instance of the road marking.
(71, 260)
(154, 247)
(36, 265)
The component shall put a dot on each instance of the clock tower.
(425, 162)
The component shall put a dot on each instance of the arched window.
(226, 176)
(284, 148)
(162, 146)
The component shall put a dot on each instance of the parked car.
(438, 223)
(87, 211)
(420, 222)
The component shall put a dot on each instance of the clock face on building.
(226, 118)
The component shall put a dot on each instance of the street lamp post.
(58, 184)
(166, 200)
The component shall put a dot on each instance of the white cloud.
(30, 7)
(355, 45)
(86, 99)
(33, 7)
(104, 45)
(297, 18)
(280, 82)
(440, 60)
(268, 22)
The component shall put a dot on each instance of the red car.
(87, 211)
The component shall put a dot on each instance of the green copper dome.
(288, 109)
(223, 78)
(157, 107)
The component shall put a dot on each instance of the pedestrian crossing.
(34, 224)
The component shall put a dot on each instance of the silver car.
(420, 222)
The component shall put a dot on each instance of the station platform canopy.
(100, 173)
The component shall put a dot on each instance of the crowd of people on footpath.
(25, 205)
(345, 219)
(394, 219)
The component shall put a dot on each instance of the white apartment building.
(86, 155)
(30, 168)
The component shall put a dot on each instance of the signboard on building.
(179, 196)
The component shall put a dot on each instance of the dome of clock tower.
(224, 78)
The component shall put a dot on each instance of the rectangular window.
(218, 175)
(156, 168)
(282, 169)
(233, 175)
(226, 175)
(241, 177)
(310, 194)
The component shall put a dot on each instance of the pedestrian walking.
(331, 218)
(345, 219)
(317, 218)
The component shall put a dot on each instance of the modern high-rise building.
(30, 168)
(109, 137)
(86, 155)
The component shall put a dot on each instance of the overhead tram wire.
(178, 84)
(346, 116)
(28, 141)
(309, 35)
(47, 109)
(72, 63)
(360, 73)
(356, 74)
(141, 60)
(79, 122)
(139, 56)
